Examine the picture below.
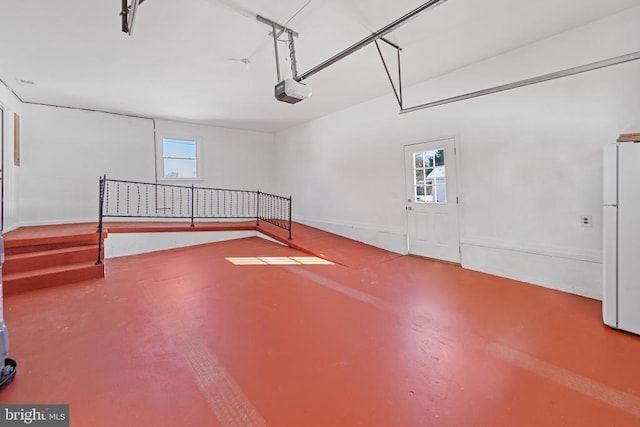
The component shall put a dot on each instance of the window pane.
(420, 196)
(420, 176)
(429, 193)
(180, 168)
(418, 160)
(441, 193)
(429, 176)
(179, 148)
(440, 157)
(428, 159)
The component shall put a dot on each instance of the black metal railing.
(131, 199)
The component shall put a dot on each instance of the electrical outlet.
(586, 221)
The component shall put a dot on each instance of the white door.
(432, 200)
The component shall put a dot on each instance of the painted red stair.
(43, 256)
(51, 276)
(43, 261)
(29, 261)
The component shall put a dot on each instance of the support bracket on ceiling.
(128, 15)
(276, 31)
(280, 28)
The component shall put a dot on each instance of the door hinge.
(457, 201)
(455, 151)
(460, 250)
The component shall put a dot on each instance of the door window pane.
(429, 193)
(429, 176)
(418, 160)
(428, 159)
(441, 193)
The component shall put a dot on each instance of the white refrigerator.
(621, 219)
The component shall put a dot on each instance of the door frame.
(457, 156)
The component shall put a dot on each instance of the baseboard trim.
(387, 238)
(356, 225)
(534, 250)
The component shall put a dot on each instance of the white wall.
(530, 158)
(64, 152)
(10, 104)
(125, 244)
(229, 158)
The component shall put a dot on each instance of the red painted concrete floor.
(186, 337)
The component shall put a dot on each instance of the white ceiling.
(177, 63)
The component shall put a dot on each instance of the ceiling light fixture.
(26, 82)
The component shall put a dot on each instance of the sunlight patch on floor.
(281, 260)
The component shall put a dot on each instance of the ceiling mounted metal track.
(379, 35)
(371, 38)
(534, 80)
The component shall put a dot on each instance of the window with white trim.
(179, 158)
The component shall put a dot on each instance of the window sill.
(180, 180)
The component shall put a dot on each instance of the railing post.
(257, 208)
(192, 205)
(289, 217)
(101, 187)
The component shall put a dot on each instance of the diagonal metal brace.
(396, 91)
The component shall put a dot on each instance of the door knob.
(409, 208)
